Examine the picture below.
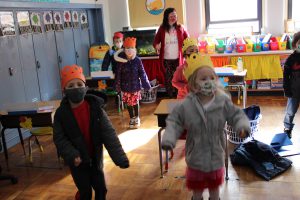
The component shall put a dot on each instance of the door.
(27, 57)
(11, 87)
(47, 65)
(65, 47)
(82, 45)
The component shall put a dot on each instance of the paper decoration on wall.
(48, 21)
(35, 19)
(58, 24)
(67, 19)
(75, 19)
(84, 20)
(155, 7)
(7, 24)
(24, 22)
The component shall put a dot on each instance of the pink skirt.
(131, 99)
(198, 180)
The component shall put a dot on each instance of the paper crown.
(129, 42)
(195, 61)
(188, 42)
(69, 73)
(118, 35)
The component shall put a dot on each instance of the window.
(233, 16)
(293, 13)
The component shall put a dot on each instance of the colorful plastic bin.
(211, 48)
(274, 44)
(240, 48)
(220, 48)
(282, 45)
(265, 46)
(228, 48)
(202, 46)
(257, 47)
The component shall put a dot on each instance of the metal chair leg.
(30, 149)
(38, 143)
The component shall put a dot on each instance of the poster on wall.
(58, 24)
(155, 7)
(48, 21)
(84, 20)
(75, 19)
(35, 19)
(24, 22)
(67, 19)
(7, 24)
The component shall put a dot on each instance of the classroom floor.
(44, 180)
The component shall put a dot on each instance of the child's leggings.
(133, 110)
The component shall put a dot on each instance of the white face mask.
(118, 45)
(130, 52)
(207, 87)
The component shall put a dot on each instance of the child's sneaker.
(137, 121)
(131, 123)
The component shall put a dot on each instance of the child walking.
(131, 78)
(81, 128)
(190, 45)
(291, 85)
(204, 112)
(109, 56)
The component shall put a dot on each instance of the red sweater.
(160, 38)
(82, 115)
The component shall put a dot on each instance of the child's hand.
(244, 134)
(77, 161)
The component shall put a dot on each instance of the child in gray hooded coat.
(203, 113)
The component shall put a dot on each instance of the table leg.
(22, 141)
(226, 157)
(4, 147)
(160, 151)
(244, 94)
(167, 162)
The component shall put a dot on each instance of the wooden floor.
(44, 179)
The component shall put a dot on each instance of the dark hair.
(165, 23)
(296, 38)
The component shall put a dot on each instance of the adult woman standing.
(168, 44)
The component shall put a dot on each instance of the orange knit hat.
(129, 42)
(69, 73)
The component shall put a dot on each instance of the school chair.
(38, 132)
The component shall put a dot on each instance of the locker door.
(47, 66)
(65, 47)
(11, 81)
(82, 45)
(30, 76)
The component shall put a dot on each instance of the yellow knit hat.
(188, 42)
(195, 61)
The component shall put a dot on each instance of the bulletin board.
(141, 17)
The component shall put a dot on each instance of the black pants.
(87, 177)
(170, 66)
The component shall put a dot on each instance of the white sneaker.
(137, 121)
(131, 123)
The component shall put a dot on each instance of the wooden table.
(162, 111)
(41, 118)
